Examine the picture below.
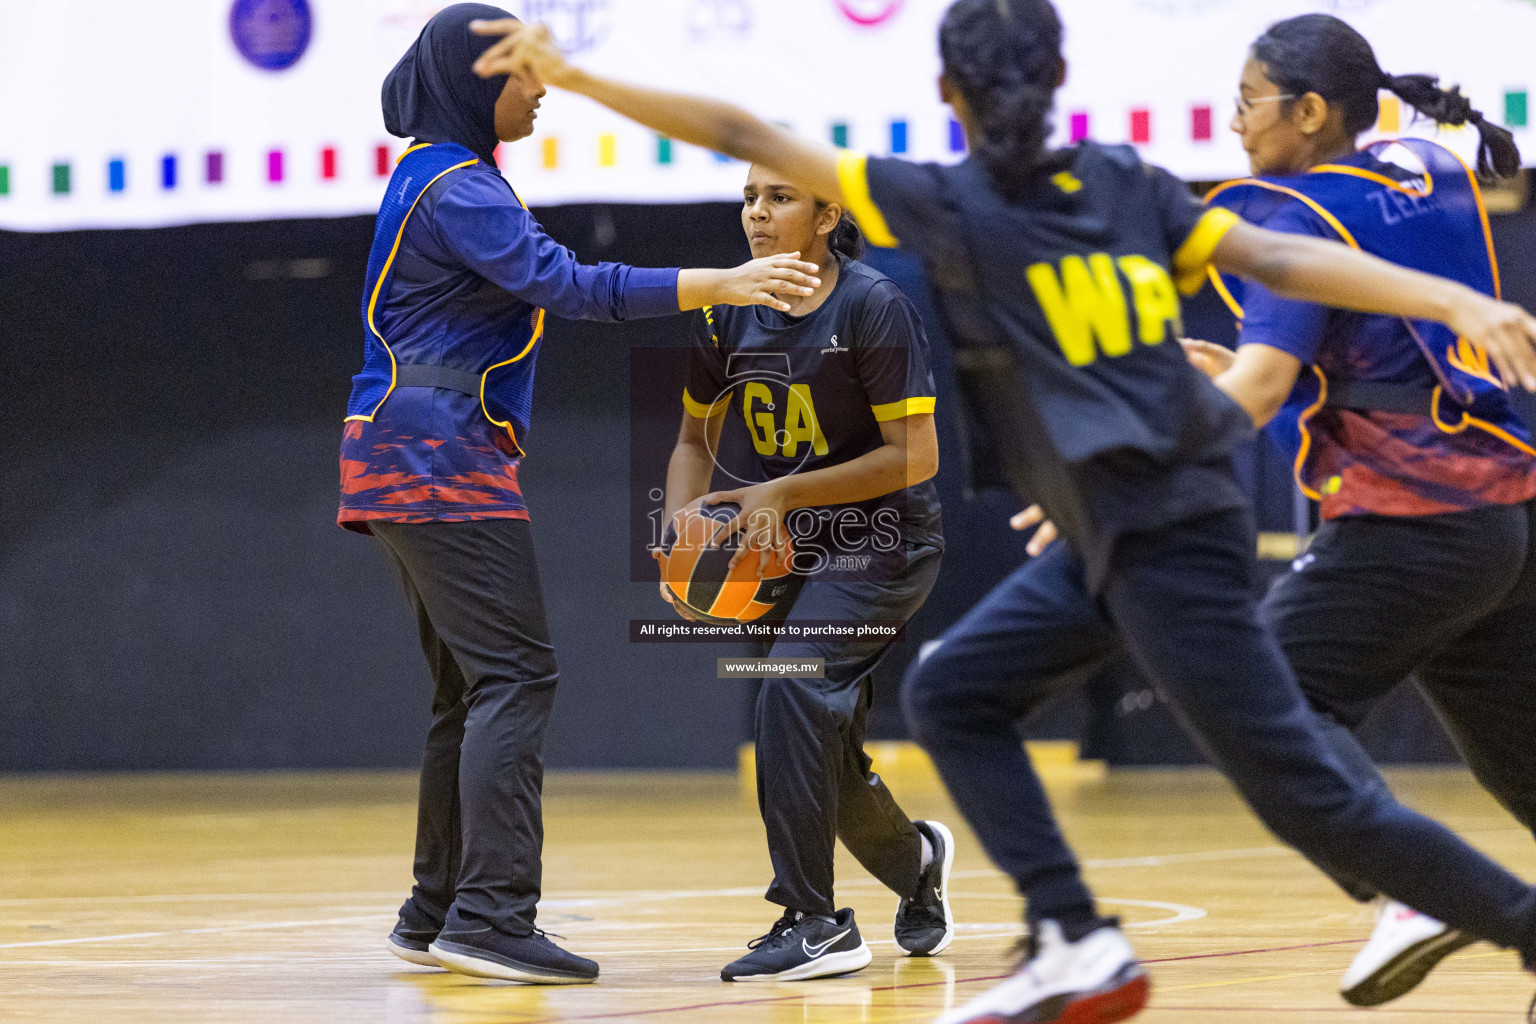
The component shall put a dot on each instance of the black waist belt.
(413, 375)
(1368, 396)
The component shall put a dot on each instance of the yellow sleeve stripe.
(905, 407)
(1194, 255)
(700, 411)
(853, 177)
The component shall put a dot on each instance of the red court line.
(1245, 952)
(719, 1003)
(1379, 1010)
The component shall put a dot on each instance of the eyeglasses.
(1244, 107)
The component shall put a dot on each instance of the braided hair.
(1322, 54)
(1004, 56)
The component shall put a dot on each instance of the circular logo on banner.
(577, 24)
(271, 34)
(869, 12)
(715, 19)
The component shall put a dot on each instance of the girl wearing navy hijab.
(1058, 274)
(458, 282)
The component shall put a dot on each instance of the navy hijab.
(434, 95)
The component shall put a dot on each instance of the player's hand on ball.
(761, 282)
(666, 593)
(1043, 536)
(1211, 360)
(1504, 331)
(762, 517)
(523, 49)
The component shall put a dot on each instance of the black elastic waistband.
(414, 375)
(1370, 396)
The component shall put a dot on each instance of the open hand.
(760, 282)
(523, 48)
(762, 514)
(1504, 331)
(1043, 536)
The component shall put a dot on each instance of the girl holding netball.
(1056, 273)
(1424, 473)
(457, 286)
(837, 398)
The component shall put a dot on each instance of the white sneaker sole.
(419, 957)
(483, 967)
(845, 962)
(1403, 973)
(949, 913)
(1118, 999)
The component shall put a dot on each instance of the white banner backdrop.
(158, 112)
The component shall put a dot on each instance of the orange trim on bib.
(1482, 215)
(1225, 292)
(1306, 435)
(538, 332)
(378, 285)
(1380, 179)
(1311, 203)
(1468, 420)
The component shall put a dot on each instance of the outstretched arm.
(712, 124)
(757, 282)
(1331, 274)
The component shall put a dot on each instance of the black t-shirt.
(1064, 311)
(812, 391)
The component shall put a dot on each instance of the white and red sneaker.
(1095, 980)
(1403, 949)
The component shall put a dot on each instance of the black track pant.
(1450, 598)
(814, 783)
(1179, 601)
(479, 829)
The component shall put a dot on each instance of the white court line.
(203, 897)
(1011, 931)
(1192, 858)
(1181, 913)
(253, 960)
(643, 895)
(216, 930)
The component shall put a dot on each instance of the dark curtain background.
(175, 594)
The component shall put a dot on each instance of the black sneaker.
(483, 952)
(925, 925)
(413, 933)
(797, 948)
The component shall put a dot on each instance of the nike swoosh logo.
(821, 947)
(939, 895)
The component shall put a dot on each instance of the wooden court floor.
(266, 898)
